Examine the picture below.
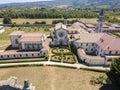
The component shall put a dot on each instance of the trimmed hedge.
(58, 53)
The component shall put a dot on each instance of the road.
(78, 66)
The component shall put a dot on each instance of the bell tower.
(100, 22)
(65, 20)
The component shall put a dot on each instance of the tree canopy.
(7, 20)
(114, 73)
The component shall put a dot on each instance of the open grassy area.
(89, 21)
(53, 78)
(48, 21)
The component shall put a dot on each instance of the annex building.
(26, 45)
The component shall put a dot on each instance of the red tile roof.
(107, 42)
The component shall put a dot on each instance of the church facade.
(60, 35)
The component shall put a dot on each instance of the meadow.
(53, 78)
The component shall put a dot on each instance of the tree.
(7, 20)
(43, 22)
(36, 22)
(27, 22)
(114, 73)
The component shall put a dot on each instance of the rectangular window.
(81, 44)
(8, 56)
(14, 56)
(109, 52)
(16, 41)
(87, 44)
(92, 44)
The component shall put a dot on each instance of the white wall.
(13, 41)
(87, 46)
(24, 55)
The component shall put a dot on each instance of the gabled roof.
(59, 26)
(88, 37)
(31, 37)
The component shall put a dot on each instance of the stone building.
(27, 41)
(60, 35)
(26, 45)
(12, 84)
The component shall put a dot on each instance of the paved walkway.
(56, 63)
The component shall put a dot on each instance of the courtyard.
(63, 55)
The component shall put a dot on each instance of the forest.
(44, 13)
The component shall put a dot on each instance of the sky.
(13, 1)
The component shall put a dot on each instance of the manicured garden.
(63, 54)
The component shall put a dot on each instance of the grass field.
(53, 78)
(48, 21)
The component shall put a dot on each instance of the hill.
(65, 3)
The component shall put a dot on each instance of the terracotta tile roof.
(104, 41)
(114, 45)
(107, 42)
(88, 37)
(31, 37)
